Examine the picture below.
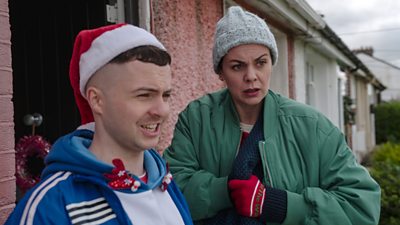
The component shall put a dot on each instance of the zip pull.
(267, 173)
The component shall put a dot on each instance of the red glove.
(247, 196)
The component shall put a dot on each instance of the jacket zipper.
(266, 163)
(238, 145)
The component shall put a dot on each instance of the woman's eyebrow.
(266, 54)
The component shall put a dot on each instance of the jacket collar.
(270, 115)
(271, 107)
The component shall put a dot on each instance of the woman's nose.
(251, 74)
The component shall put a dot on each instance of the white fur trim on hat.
(87, 126)
(109, 45)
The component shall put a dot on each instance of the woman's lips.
(251, 92)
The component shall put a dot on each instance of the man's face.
(135, 103)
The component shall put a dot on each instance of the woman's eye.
(261, 62)
(237, 67)
(146, 95)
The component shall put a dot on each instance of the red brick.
(5, 211)
(6, 137)
(7, 192)
(5, 81)
(5, 32)
(5, 53)
(7, 165)
(6, 109)
(4, 8)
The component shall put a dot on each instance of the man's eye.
(166, 97)
(144, 95)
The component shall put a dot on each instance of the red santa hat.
(95, 48)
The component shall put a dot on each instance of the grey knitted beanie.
(240, 27)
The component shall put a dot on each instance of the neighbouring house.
(36, 41)
(362, 94)
(386, 72)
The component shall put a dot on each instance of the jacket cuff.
(275, 206)
(220, 192)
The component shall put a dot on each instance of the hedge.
(385, 169)
(387, 122)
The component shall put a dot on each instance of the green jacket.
(303, 154)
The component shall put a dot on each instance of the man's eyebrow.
(148, 89)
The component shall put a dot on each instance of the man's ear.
(94, 97)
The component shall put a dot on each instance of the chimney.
(366, 50)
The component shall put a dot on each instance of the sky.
(365, 23)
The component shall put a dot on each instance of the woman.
(245, 155)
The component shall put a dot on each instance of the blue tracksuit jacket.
(74, 177)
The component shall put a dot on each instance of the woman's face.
(246, 69)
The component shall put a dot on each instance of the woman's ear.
(220, 77)
(95, 100)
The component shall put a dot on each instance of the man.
(121, 78)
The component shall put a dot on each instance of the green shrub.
(385, 169)
(387, 153)
(387, 122)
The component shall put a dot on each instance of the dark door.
(43, 33)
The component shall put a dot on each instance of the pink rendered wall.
(7, 154)
(186, 28)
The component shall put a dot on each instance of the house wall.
(186, 28)
(363, 131)
(342, 85)
(300, 70)
(7, 154)
(325, 84)
(362, 143)
(280, 80)
(372, 99)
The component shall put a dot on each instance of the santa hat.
(95, 48)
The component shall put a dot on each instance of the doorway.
(42, 38)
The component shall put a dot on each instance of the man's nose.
(161, 108)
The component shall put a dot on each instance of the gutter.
(305, 10)
(315, 31)
(303, 21)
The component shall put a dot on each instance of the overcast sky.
(363, 23)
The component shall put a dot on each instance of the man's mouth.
(150, 127)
